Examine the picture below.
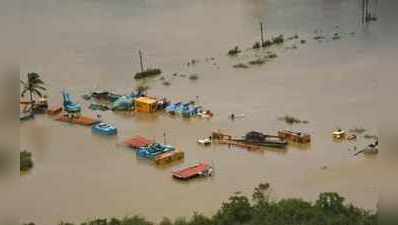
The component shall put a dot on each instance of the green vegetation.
(147, 73)
(291, 119)
(234, 51)
(26, 162)
(33, 86)
(329, 209)
(241, 65)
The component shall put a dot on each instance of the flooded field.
(87, 45)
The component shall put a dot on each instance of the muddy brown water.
(92, 45)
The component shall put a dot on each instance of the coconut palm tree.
(33, 85)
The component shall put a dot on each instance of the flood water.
(86, 45)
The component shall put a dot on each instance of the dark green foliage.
(33, 85)
(147, 73)
(329, 209)
(234, 51)
(25, 162)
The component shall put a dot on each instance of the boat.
(338, 134)
(104, 129)
(154, 150)
(204, 141)
(169, 157)
(295, 136)
(199, 169)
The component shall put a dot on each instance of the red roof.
(191, 171)
(138, 142)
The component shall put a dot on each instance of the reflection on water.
(92, 45)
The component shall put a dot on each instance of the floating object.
(138, 142)
(123, 103)
(146, 104)
(205, 141)
(169, 157)
(173, 107)
(104, 128)
(101, 107)
(295, 136)
(338, 134)
(264, 140)
(81, 120)
(26, 116)
(351, 137)
(206, 114)
(105, 96)
(154, 150)
(200, 169)
(54, 110)
(370, 149)
(70, 106)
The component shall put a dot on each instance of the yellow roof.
(146, 100)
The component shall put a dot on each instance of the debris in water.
(257, 61)
(291, 120)
(278, 40)
(234, 51)
(358, 130)
(241, 65)
(166, 83)
(303, 41)
(369, 136)
(193, 77)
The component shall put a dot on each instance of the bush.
(26, 162)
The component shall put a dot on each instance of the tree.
(34, 85)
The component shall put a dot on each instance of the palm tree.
(33, 85)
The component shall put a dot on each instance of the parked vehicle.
(104, 129)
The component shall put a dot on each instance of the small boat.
(104, 128)
(338, 134)
(151, 152)
(352, 137)
(199, 169)
(204, 141)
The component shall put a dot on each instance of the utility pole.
(262, 34)
(164, 138)
(141, 63)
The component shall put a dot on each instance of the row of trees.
(329, 209)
